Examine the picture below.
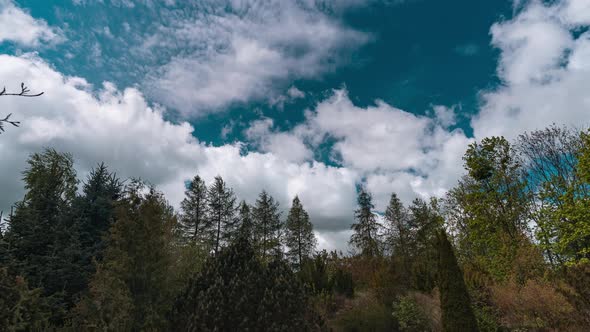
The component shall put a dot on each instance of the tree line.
(508, 248)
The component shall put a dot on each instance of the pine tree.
(246, 225)
(299, 237)
(236, 292)
(43, 240)
(132, 289)
(221, 203)
(267, 225)
(194, 222)
(457, 314)
(365, 236)
(94, 212)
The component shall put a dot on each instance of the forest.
(506, 249)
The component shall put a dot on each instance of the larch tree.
(194, 222)
(299, 236)
(221, 203)
(366, 229)
(267, 225)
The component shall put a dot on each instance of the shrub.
(409, 315)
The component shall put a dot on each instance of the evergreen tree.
(246, 225)
(43, 240)
(94, 211)
(267, 225)
(194, 223)
(457, 314)
(365, 236)
(236, 292)
(132, 287)
(21, 308)
(221, 203)
(299, 237)
(425, 221)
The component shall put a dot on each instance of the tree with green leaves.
(425, 221)
(267, 226)
(235, 291)
(366, 229)
(43, 240)
(221, 204)
(194, 222)
(246, 224)
(132, 289)
(489, 208)
(457, 314)
(299, 236)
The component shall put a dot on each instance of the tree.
(399, 232)
(365, 236)
(267, 225)
(94, 212)
(25, 92)
(132, 289)
(489, 208)
(246, 224)
(43, 240)
(237, 292)
(221, 203)
(194, 222)
(457, 314)
(299, 237)
(425, 221)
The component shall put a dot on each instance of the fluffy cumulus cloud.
(545, 69)
(121, 129)
(19, 27)
(240, 50)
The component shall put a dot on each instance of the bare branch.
(24, 92)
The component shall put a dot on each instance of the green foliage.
(267, 226)
(194, 223)
(221, 203)
(366, 229)
(21, 308)
(235, 291)
(409, 316)
(132, 287)
(299, 237)
(366, 314)
(457, 314)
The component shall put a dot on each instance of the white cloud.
(236, 51)
(545, 69)
(19, 27)
(121, 129)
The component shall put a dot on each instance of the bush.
(410, 317)
(365, 314)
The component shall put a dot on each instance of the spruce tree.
(43, 240)
(221, 203)
(299, 237)
(366, 228)
(267, 225)
(235, 291)
(132, 289)
(246, 225)
(194, 222)
(457, 314)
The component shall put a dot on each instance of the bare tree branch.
(25, 92)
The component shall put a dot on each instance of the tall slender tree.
(299, 237)
(366, 228)
(267, 225)
(221, 202)
(246, 225)
(194, 222)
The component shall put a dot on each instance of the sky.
(306, 97)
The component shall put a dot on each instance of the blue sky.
(308, 97)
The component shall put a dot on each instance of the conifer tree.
(94, 211)
(457, 314)
(267, 225)
(221, 203)
(366, 228)
(299, 237)
(43, 241)
(246, 225)
(132, 289)
(398, 228)
(194, 222)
